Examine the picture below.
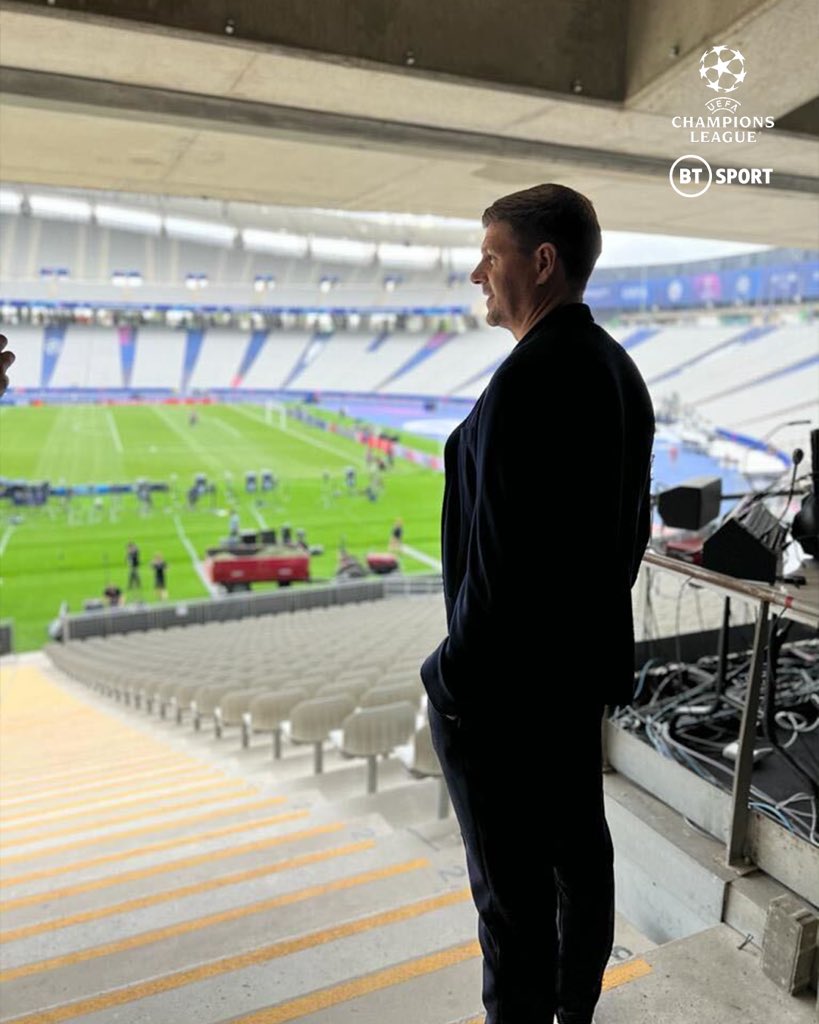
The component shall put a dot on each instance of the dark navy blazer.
(545, 519)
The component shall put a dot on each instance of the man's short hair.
(556, 214)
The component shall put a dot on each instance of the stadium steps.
(705, 978)
(354, 910)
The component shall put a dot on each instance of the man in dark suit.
(557, 450)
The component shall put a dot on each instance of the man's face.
(507, 276)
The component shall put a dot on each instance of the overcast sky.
(627, 249)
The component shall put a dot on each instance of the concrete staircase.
(284, 897)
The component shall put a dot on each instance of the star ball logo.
(722, 68)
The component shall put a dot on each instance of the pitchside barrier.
(111, 621)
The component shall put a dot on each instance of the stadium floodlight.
(10, 202)
(462, 257)
(128, 220)
(414, 257)
(59, 208)
(208, 232)
(342, 250)
(279, 242)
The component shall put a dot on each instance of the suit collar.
(572, 314)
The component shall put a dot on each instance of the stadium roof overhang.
(439, 111)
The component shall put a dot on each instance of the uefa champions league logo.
(722, 69)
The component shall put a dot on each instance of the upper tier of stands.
(737, 377)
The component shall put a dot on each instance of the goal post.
(275, 414)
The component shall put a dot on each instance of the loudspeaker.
(748, 545)
(693, 504)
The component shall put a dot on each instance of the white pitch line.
(9, 530)
(258, 516)
(346, 456)
(212, 589)
(114, 431)
(419, 556)
(225, 426)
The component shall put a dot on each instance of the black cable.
(776, 639)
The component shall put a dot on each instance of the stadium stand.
(87, 358)
(218, 360)
(158, 359)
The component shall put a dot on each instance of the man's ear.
(547, 260)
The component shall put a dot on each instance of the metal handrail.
(793, 604)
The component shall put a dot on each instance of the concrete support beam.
(535, 45)
(777, 39)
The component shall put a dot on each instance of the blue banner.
(777, 283)
(53, 342)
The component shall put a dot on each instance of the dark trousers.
(529, 801)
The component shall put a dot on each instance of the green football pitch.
(69, 551)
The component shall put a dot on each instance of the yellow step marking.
(103, 779)
(620, 974)
(119, 856)
(141, 902)
(96, 752)
(194, 786)
(197, 924)
(164, 826)
(325, 998)
(105, 789)
(140, 874)
(178, 979)
(80, 774)
(236, 790)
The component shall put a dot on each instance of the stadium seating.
(312, 721)
(269, 711)
(371, 731)
(270, 676)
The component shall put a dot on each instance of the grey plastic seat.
(343, 689)
(180, 700)
(234, 709)
(206, 700)
(313, 720)
(392, 694)
(377, 730)
(268, 711)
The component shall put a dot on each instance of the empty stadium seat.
(312, 721)
(369, 732)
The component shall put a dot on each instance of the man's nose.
(477, 275)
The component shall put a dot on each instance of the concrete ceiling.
(411, 105)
